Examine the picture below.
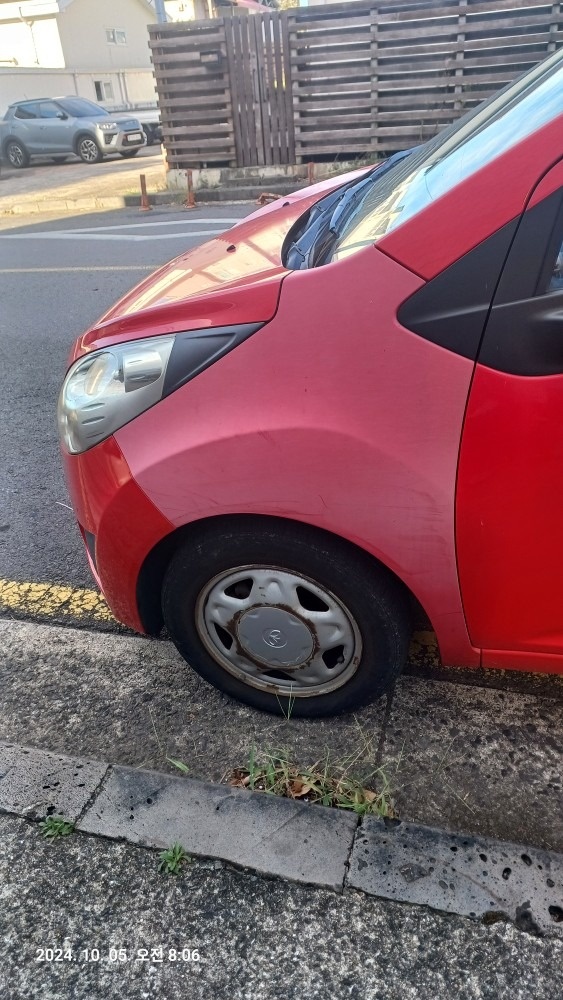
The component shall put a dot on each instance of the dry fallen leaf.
(297, 788)
(239, 779)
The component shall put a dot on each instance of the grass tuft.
(173, 860)
(328, 782)
(56, 826)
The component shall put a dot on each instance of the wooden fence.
(337, 81)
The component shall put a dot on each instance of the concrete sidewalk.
(473, 759)
(281, 898)
(291, 838)
(322, 908)
(84, 918)
(75, 186)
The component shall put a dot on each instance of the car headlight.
(108, 125)
(108, 388)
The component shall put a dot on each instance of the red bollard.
(145, 204)
(190, 200)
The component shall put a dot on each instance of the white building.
(96, 48)
(82, 34)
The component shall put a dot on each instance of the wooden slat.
(237, 127)
(279, 90)
(271, 110)
(199, 131)
(287, 87)
(430, 12)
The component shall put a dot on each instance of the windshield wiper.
(296, 257)
(323, 222)
(343, 210)
(346, 201)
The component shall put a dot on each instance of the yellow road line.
(49, 600)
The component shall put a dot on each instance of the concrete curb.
(45, 205)
(468, 876)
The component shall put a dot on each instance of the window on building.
(116, 36)
(104, 91)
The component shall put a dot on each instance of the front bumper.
(120, 141)
(119, 525)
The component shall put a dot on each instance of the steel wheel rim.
(278, 631)
(15, 155)
(89, 150)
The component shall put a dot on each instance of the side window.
(26, 111)
(523, 335)
(48, 109)
(556, 279)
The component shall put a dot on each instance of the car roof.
(60, 97)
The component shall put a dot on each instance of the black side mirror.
(62, 115)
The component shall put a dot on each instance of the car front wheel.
(16, 154)
(285, 618)
(88, 150)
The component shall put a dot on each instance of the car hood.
(234, 278)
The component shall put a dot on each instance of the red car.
(347, 407)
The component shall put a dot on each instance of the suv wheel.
(88, 150)
(16, 154)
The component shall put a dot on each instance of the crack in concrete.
(97, 790)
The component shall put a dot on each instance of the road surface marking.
(145, 225)
(101, 267)
(129, 237)
(50, 600)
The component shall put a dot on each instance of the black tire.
(149, 134)
(374, 600)
(59, 159)
(88, 150)
(128, 153)
(16, 154)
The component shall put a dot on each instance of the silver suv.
(58, 126)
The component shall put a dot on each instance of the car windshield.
(78, 107)
(451, 156)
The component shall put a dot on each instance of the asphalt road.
(56, 279)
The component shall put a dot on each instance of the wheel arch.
(151, 575)
(84, 134)
(8, 140)
(13, 138)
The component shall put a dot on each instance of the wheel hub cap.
(275, 637)
(278, 630)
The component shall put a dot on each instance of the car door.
(55, 132)
(25, 126)
(509, 501)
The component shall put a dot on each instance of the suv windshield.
(78, 107)
(451, 156)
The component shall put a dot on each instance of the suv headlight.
(108, 388)
(108, 125)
